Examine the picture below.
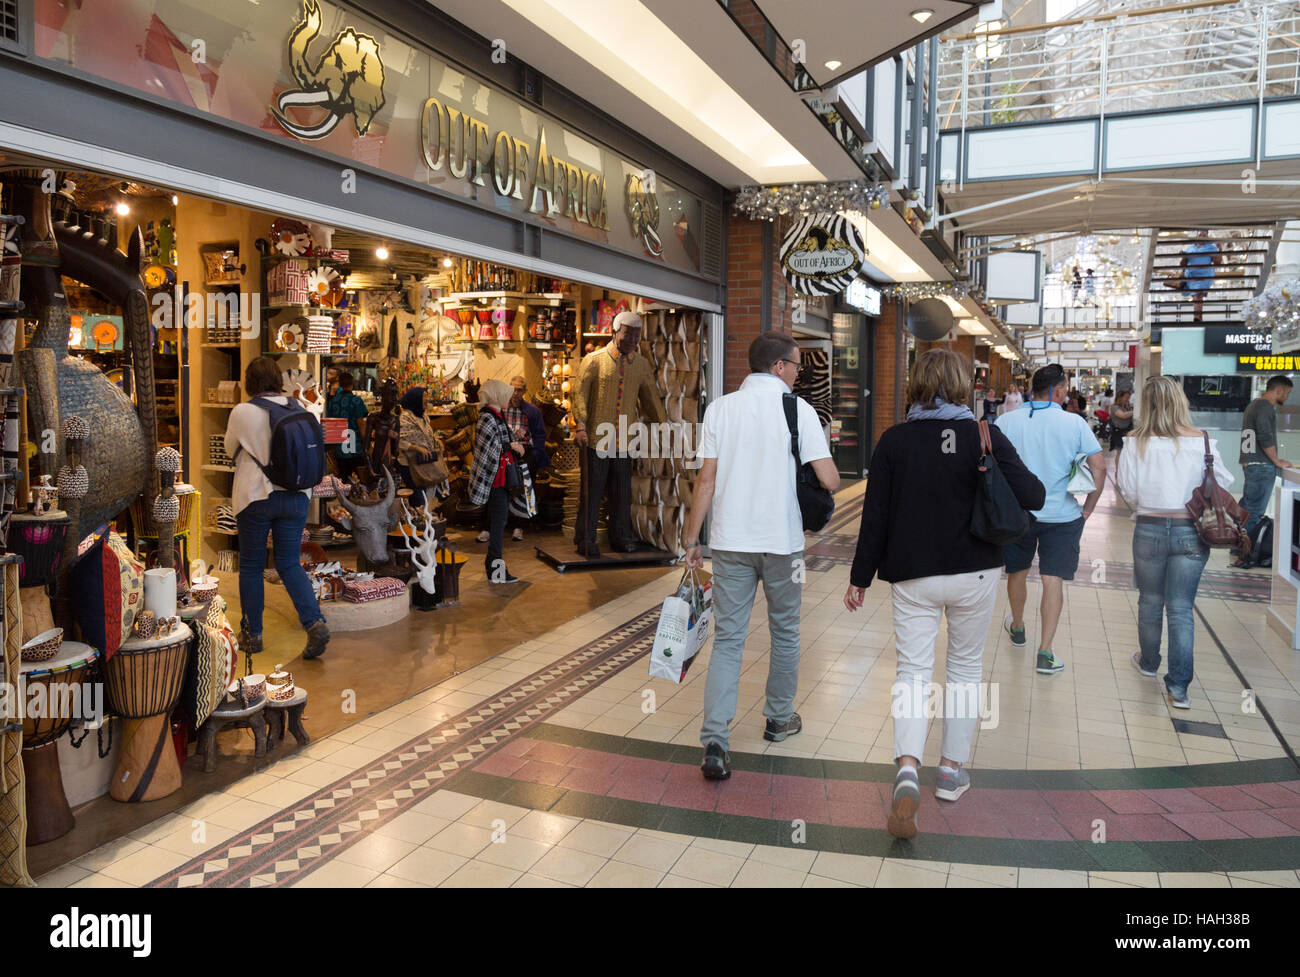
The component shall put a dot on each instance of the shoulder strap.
(986, 439)
(791, 406)
(1209, 455)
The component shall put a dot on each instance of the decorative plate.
(321, 282)
(290, 237)
(155, 276)
(289, 337)
(104, 333)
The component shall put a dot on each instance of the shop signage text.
(548, 185)
(822, 254)
(862, 296)
(1225, 339)
(1267, 364)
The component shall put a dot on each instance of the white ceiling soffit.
(894, 252)
(1141, 198)
(680, 72)
(854, 33)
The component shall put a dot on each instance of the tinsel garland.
(925, 290)
(769, 203)
(1276, 310)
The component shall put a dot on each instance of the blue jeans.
(283, 515)
(1168, 558)
(1257, 492)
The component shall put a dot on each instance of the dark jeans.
(615, 476)
(1168, 558)
(1257, 492)
(283, 515)
(498, 507)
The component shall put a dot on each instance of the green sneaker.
(1017, 634)
(1048, 663)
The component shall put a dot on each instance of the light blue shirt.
(1048, 439)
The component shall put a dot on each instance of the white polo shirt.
(755, 508)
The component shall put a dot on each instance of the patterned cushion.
(109, 587)
(360, 591)
(214, 666)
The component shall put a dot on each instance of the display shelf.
(503, 343)
(306, 308)
(275, 259)
(221, 345)
(219, 532)
(530, 298)
(226, 406)
(217, 468)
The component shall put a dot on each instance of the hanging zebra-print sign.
(822, 254)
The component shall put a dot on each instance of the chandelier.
(769, 203)
(1276, 309)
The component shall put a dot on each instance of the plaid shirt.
(491, 438)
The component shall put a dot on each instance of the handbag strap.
(1209, 455)
(791, 405)
(986, 444)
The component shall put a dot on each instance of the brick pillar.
(745, 298)
(889, 385)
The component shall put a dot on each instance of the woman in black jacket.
(915, 534)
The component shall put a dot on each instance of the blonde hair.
(938, 373)
(496, 393)
(1165, 411)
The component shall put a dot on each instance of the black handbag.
(998, 516)
(514, 477)
(816, 504)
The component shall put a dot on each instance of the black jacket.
(920, 494)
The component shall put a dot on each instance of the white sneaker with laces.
(484, 536)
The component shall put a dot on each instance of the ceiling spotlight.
(381, 253)
(122, 209)
(446, 262)
(832, 65)
(175, 200)
(922, 15)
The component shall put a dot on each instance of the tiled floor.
(558, 762)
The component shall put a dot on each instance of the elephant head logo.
(347, 77)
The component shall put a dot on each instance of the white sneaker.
(517, 535)
(484, 536)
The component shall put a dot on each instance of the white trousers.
(968, 599)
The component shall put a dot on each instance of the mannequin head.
(626, 333)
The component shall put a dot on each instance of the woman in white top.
(1165, 463)
(262, 508)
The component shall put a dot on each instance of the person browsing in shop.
(1259, 458)
(1048, 439)
(346, 404)
(747, 478)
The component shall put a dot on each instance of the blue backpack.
(297, 459)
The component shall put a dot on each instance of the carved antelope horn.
(343, 499)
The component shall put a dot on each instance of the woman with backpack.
(1158, 475)
(922, 491)
(258, 437)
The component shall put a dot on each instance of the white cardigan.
(249, 428)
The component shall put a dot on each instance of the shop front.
(445, 222)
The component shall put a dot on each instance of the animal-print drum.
(52, 694)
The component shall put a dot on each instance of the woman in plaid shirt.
(487, 481)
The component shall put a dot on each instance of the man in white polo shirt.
(748, 479)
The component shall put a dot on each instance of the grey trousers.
(735, 584)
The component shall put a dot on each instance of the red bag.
(1219, 520)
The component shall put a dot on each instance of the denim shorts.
(1057, 544)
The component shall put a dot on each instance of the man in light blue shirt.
(1048, 439)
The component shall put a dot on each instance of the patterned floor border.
(283, 848)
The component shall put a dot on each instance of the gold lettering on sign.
(433, 133)
(561, 187)
(542, 181)
(521, 168)
(457, 133)
(592, 193)
(480, 143)
(575, 193)
(503, 163)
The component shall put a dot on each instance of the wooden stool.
(232, 715)
(289, 712)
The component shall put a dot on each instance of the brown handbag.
(1219, 520)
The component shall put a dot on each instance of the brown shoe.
(318, 636)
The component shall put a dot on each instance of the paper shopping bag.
(685, 622)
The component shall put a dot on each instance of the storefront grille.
(9, 34)
(711, 241)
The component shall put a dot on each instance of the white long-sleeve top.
(1162, 477)
(250, 428)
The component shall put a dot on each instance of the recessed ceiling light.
(381, 253)
(922, 15)
(832, 65)
(446, 262)
(122, 209)
(175, 200)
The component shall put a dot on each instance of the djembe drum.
(39, 540)
(51, 697)
(143, 682)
